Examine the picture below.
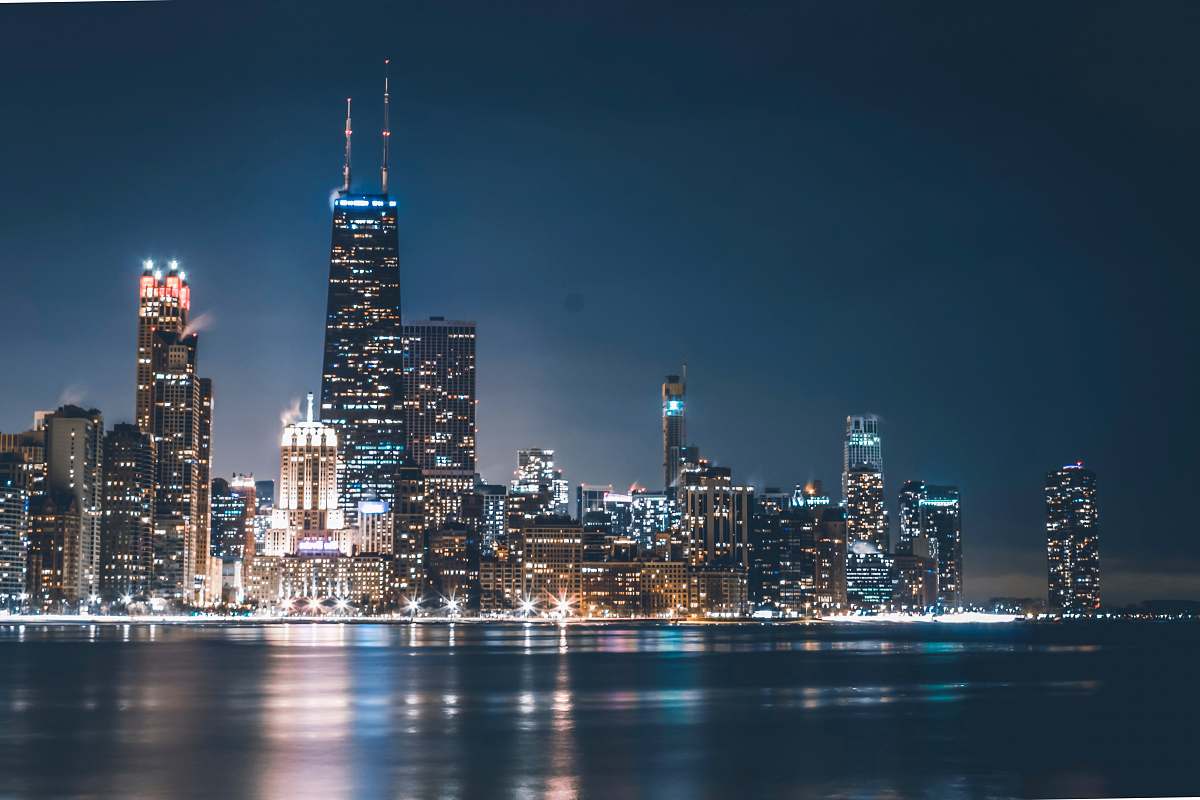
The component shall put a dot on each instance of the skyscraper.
(865, 516)
(307, 500)
(716, 519)
(74, 469)
(674, 427)
(177, 419)
(362, 373)
(932, 513)
(1073, 540)
(127, 532)
(163, 306)
(862, 446)
(439, 393)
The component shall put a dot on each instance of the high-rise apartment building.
(674, 427)
(539, 488)
(932, 513)
(362, 372)
(127, 530)
(1073, 540)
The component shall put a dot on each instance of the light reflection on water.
(545, 711)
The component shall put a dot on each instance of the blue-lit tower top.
(674, 427)
(361, 381)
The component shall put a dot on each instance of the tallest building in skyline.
(361, 388)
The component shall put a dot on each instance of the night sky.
(976, 220)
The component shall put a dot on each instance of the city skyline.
(794, 438)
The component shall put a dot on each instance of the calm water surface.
(332, 711)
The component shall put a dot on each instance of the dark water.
(335, 711)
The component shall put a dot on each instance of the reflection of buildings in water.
(563, 780)
(307, 713)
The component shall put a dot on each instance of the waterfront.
(364, 710)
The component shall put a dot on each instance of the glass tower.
(674, 428)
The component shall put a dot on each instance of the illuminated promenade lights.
(412, 606)
(528, 606)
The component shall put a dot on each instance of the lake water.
(647, 711)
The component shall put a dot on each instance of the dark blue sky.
(976, 221)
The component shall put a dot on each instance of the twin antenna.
(387, 133)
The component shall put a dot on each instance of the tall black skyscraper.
(361, 384)
(1073, 540)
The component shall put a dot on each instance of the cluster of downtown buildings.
(379, 509)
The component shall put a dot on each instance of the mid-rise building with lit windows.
(716, 519)
(552, 559)
(74, 468)
(1072, 540)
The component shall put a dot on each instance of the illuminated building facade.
(674, 427)
(552, 555)
(307, 515)
(55, 523)
(590, 497)
(362, 381)
(245, 487)
(453, 565)
(439, 393)
(932, 513)
(227, 514)
(1072, 540)
(74, 468)
(862, 445)
(177, 426)
(866, 519)
(447, 495)
(127, 528)
(408, 529)
(830, 583)
(717, 592)
(651, 516)
(539, 488)
(14, 529)
(495, 515)
(376, 532)
(716, 519)
(870, 577)
(163, 306)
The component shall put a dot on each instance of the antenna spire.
(387, 130)
(310, 406)
(346, 165)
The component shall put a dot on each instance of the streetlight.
(452, 605)
(412, 606)
(528, 606)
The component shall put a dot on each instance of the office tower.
(932, 513)
(862, 446)
(796, 594)
(163, 306)
(14, 529)
(1073, 540)
(590, 497)
(716, 519)
(866, 520)
(916, 577)
(176, 424)
(495, 515)
(74, 468)
(674, 427)
(228, 521)
(596, 535)
(439, 393)
(766, 546)
(127, 530)
(408, 529)
(538, 489)
(362, 380)
(830, 583)
(30, 448)
(307, 506)
(773, 500)
(448, 492)
(618, 507)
